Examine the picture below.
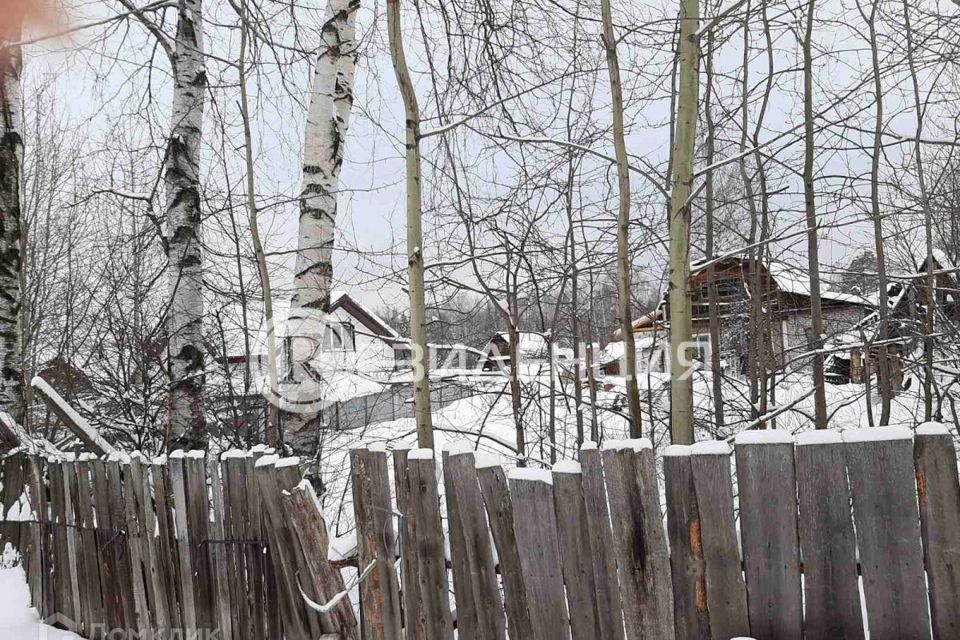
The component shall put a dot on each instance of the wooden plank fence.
(123, 547)
(810, 533)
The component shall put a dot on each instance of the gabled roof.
(374, 323)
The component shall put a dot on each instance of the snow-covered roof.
(531, 343)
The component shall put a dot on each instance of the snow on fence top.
(933, 429)
(421, 454)
(588, 445)
(710, 448)
(534, 475)
(636, 444)
(874, 434)
(567, 466)
(764, 436)
(819, 436)
(677, 450)
(485, 460)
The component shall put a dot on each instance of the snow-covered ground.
(18, 620)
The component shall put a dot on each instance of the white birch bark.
(11, 158)
(182, 184)
(328, 119)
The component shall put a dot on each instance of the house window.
(339, 337)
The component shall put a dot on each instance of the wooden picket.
(238, 546)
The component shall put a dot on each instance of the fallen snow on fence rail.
(764, 436)
(710, 448)
(819, 436)
(874, 434)
(534, 475)
(79, 422)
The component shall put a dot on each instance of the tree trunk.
(273, 416)
(928, 340)
(883, 365)
(816, 314)
(623, 225)
(328, 119)
(182, 183)
(716, 375)
(325, 136)
(681, 379)
(418, 321)
(11, 156)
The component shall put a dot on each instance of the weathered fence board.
(535, 526)
(430, 592)
(768, 528)
(646, 592)
(602, 553)
(166, 549)
(687, 568)
(726, 590)
(90, 592)
(222, 572)
(882, 481)
(827, 541)
(939, 498)
(198, 521)
(468, 521)
(186, 591)
(575, 553)
(496, 497)
(380, 595)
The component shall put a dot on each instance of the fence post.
(883, 484)
(380, 593)
(496, 496)
(603, 555)
(939, 496)
(134, 538)
(535, 525)
(642, 556)
(242, 569)
(575, 554)
(827, 541)
(768, 527)
(726, 590)
(426, 590)
(35, 559)
(266, 589)
(687, 568)
(474, 572)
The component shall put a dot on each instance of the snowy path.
(18, 620)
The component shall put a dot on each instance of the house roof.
(788, 278)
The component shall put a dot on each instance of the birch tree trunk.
(816, 314)
(182, 184)
(681, 380)
(11, 157)
(325, 135)
(623, 225)
(418, 327)
(328, 119)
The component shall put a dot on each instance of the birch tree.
(418, 320)
(11, 157)
(328, 119)
(182, 184)
(681, 380)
